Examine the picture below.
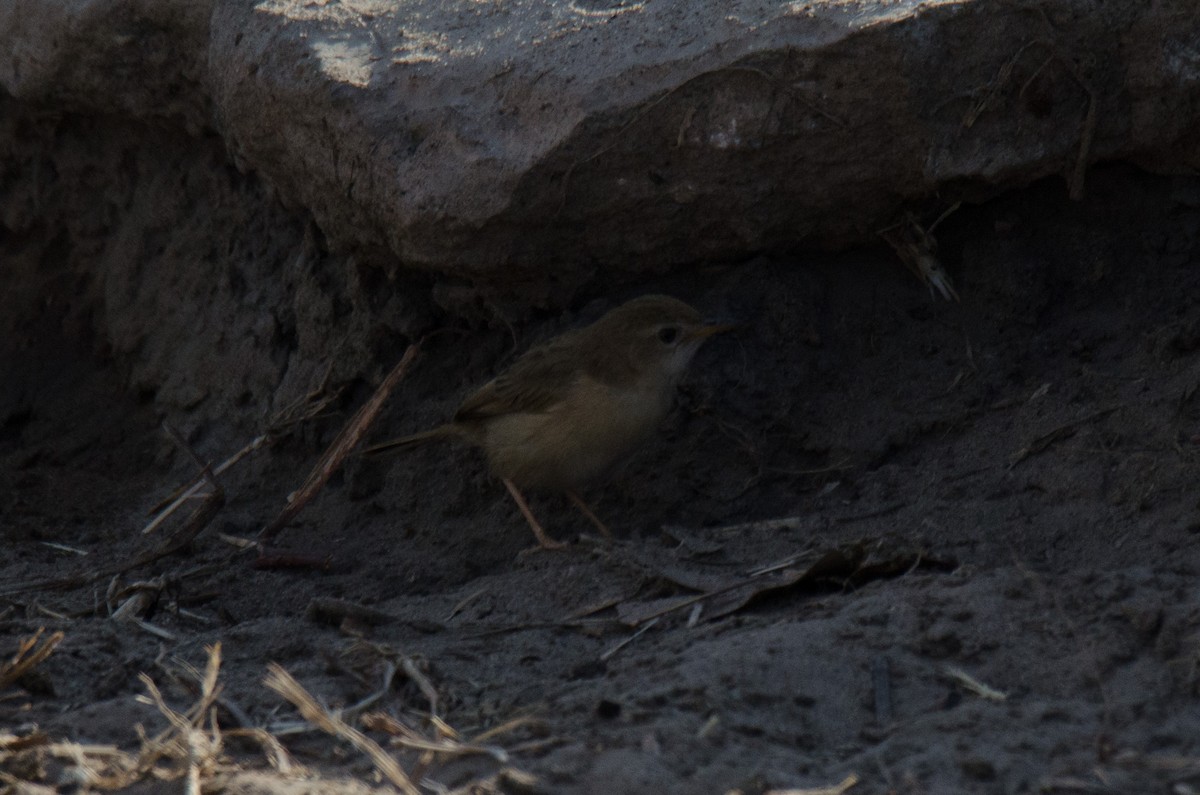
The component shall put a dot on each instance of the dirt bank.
(1036, 444)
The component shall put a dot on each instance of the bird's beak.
(709, 329)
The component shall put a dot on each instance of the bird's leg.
(544, 540)
(592, 517)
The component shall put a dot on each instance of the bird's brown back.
(534, 382)
(605, 352)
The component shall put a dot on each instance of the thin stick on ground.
(917, 248)
(184, 738)
(213, 502)
(405, 663)
(846, 784)
(277, 756)
(28, 656)
(331, 611)
(409, 666)
(1064, 431)
(337, 452)
(194, 750)
(188, 677)
(279, 680)
(354, 710)
(406, 737)
(305, 408)
(165, 512)
(64, 548)
(642, 630)
(465, 601)
(973, 685)
(508, 726)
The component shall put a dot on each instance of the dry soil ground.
(1005, 486)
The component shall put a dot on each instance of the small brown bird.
(567, 411)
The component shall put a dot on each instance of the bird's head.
(655, 335)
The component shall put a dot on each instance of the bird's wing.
(536, 381)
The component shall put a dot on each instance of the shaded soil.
(1038, 444)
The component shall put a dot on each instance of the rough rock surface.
(531, 144)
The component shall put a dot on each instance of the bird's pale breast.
(577, 439)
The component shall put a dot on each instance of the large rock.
(531, 143)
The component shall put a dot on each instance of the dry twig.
(189, 491)
(1064, 431)
(184, 739)
(337, 452)
(308, 407)
(193, 748)
(279, 680)
(848, 783)
(28, 656)
(973, 685)
(327, 610)
(406, 737)
(277, 755)
(508, 781)
(918, 250)
(642, 630)
(204, 513)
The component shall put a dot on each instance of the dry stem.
(29, 654)
(337, 452)
(279, 680)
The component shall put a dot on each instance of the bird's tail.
(440, 432)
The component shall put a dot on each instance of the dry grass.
(191, 748)
(188, 749)
(30, 653)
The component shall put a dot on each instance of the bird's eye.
(668, 335)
